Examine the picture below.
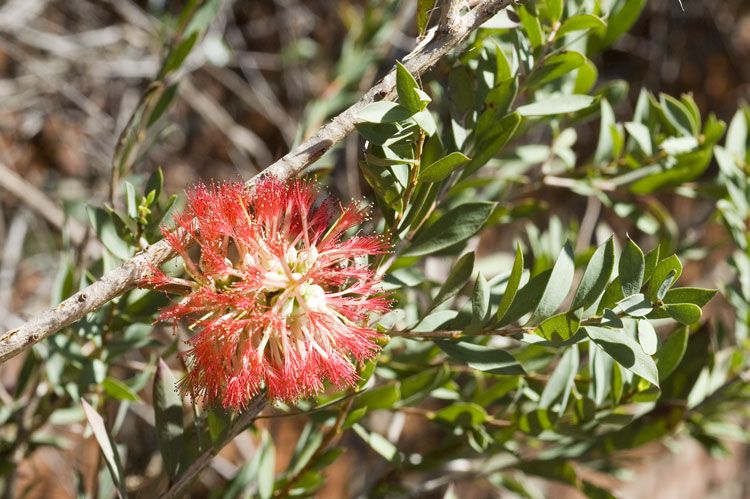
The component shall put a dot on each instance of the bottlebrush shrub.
(279, 295)
(534, 313)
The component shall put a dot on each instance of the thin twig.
(126, 277)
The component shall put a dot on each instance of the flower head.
(278, 295)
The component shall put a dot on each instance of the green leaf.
(625, 351)
(179, 54)
(561, 380)
(527, 297)
(557, 105)
(671, 353)
(155, 183)
(378, 443)
(597, 275)
(384, 112)
(168, 418)
(424, 9)
(457, 279)
(491, 144)
(736, 141)
(456, 226)
(406, 87)
(622, 19)
(632, 267)
(678, 115)
(130, 202)
(651, 260)
(557, 287)
(165, 99)
(104, 228)
(661, 273)
(531, 26)
(696, 296)
(482, 358)
(554, 9)
(554, 67)
(512, 287)
(266, 467)
(580, 22)
(605, 147)
(107, 446)
(684, 313)
(642, 136)
(480, 302)
(442, 168)
(647, 337)
(559, 327)
(119, 390)
(381, 397)
(462, 414)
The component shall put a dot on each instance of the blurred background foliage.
(257, 77)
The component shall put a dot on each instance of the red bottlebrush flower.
(278, 297)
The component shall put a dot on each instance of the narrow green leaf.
(580, 22)
(625, 351)
(266, 467)
(557, 287)
(557, 105)
(378, 443)
(512, 287)
(678, 115)
(442, 168)
(527, 297)
(107, 446)
(456, 226)
(490, 145)
(554, 9)
(457, 279)
(642, 136)
(671, 353)
(168, 418)
(651, 260)
(480, 302)
(622, 19)
(483, 358)
(632, 266)
(597, 275)
(130, 202)
(406, 87)
(531, 26)
(561, 380)
(554, 67)
(119, 390)
(696, 296)
(104, 228)
(424, 9)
